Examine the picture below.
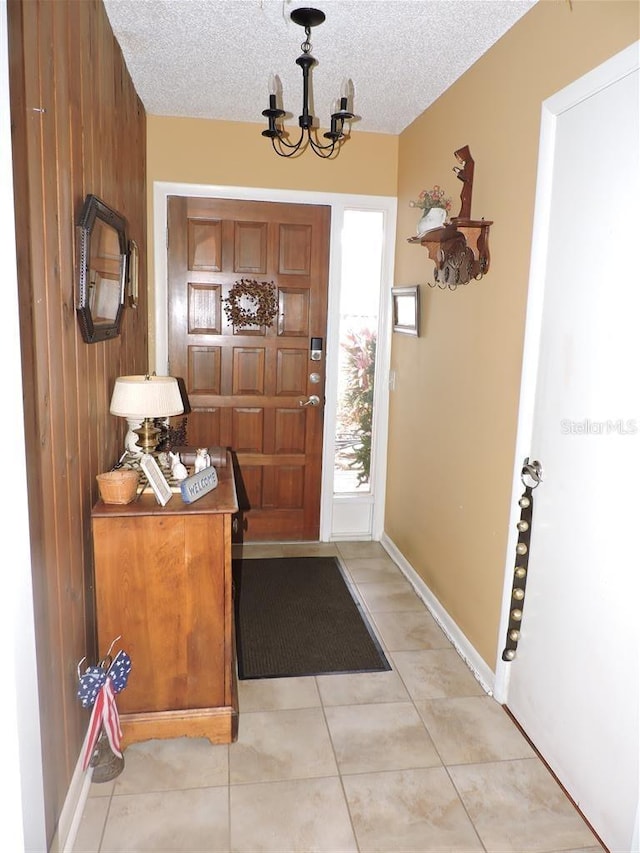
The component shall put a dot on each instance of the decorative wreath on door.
(251, 303)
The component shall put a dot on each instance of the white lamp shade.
(139, 397)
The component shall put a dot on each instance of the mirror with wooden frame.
(102, 266)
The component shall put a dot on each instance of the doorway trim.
(618, 66)
(370, 507)
(24, 811)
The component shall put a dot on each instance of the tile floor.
(416, 759)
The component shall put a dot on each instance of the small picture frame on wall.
(406, 310)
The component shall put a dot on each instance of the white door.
(573, 685)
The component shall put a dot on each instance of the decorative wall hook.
(459, 248)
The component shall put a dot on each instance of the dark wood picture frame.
(406, 310)
(102, 250)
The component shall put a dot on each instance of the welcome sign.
(199, 484)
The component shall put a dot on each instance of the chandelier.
(306, 18)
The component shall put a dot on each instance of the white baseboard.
(478, 666)
(73, 807)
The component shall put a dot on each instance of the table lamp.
(140, 399)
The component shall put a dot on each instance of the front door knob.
(313, 400)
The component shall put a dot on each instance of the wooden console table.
(163, 582)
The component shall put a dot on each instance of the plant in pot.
(434, 207)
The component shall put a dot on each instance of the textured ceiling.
(213, 58)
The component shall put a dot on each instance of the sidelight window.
(362, 240)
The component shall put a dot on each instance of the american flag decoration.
(98, 686)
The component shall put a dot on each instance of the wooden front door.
(247, 383)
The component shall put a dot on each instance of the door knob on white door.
(313, 400)
(532, 470)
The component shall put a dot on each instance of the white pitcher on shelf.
(433, 218)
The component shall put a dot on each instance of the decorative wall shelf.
(460, 248)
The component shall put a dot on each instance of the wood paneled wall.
(78, 127)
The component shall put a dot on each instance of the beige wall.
(453, 415)
(235, 154)
(200, 151)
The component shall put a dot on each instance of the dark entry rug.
(296, 616)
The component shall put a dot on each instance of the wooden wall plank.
(90, 139)
(71, 529)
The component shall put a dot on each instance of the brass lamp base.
(147, 436)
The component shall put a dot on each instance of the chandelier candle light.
(306, 18)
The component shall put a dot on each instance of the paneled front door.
(252, 387)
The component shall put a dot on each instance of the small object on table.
(119, 486)
(178, 470)
(198, 485)
(217, 455)
(202, 461)
(156, 479)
